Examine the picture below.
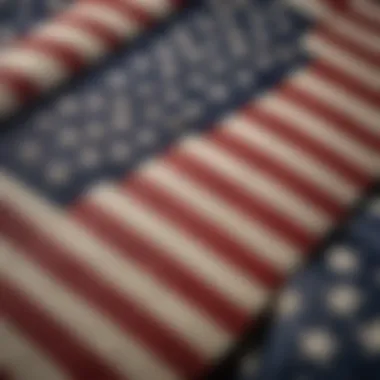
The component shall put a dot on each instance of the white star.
(145, 89)
(95, 102)
(343, 261)
(192, 110)
(95, 130)
(318, 345)
(289, 303)
(141, 63)
(245, 78)
(68, 106)
(120, 151)
(89, 158)
(30, 151)
(343, 300)
(153, 112)
(68, 137)
(375, 206)
(116, 79)
(250, 364)
(370, 337)
(58, 173)
(218, 92)
(197, 81)
(146, 137)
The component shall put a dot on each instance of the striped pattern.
(84, 34)
(156, 276)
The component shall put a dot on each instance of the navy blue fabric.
(328, 319)
(206, 61)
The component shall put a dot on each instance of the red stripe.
(351, 84)
(127, 314)
(342, 123)
(224, 246)
(21, 85)
(254, 208)
(267, 121)
(363, 22)
(350, 46)
(68, 57)
(93, 28)
(152, 260)
(5, 375)
(130, 10)
(280, 172)
(54, 339)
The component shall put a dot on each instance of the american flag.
(151, 211)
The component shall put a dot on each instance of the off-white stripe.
(104, 338)
(21, 358)
(43, 70)
(319, 129)
(247, 232)
(176, 244)
(368, 9)
(257, 138)
(257, 184)
(358, 34)
(340, 99)
(343, 60)
(120, 24)
(86, 45)
(173, 310)
(158, 8)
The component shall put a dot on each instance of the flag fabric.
(151, 211)
(17, 17)
(328, 319)
(54, 52)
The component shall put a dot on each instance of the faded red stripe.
(51, 337)
(268, 121)
(334, 75)
(338, 120)
(203, 173)
(350, 46)
(280, 172)
(224, 246)
(152, 260)
(363, 22)
(128, 9)
(123, 311)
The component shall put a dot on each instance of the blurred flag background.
(154, 209)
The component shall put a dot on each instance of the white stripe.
(104, 338)
(319, 129)
(257, 138)
(158, 8)
(8, 100)
(337, 97)
(42, 69)
(167, 306)
(343, 60)
(368, 8)
(120, 24)
(258, 184)
(24, 360)
(84, 44)
(191, 253)
(248, 232)
(312, 8)
(355, 33)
